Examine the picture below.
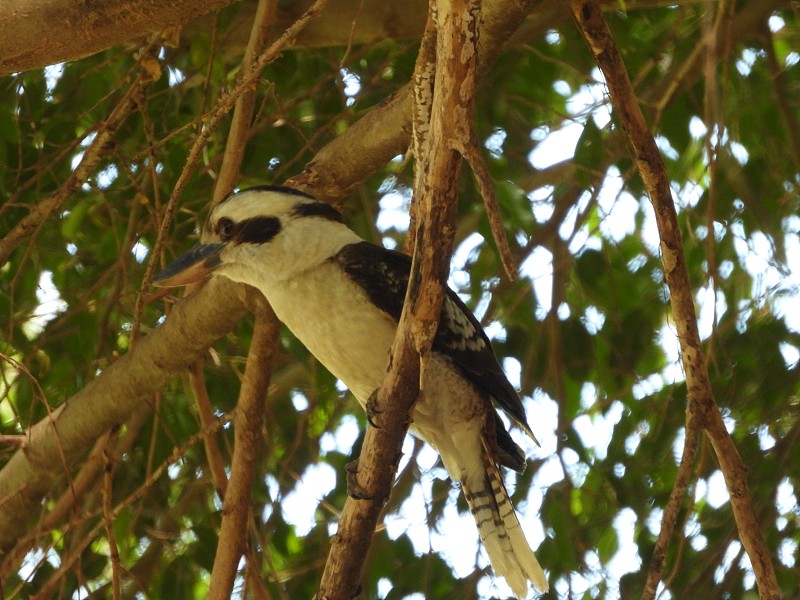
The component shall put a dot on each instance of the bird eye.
(225, 229)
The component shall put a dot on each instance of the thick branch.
(108, 400)
(43, 32)
(451, 114)
(701, 401)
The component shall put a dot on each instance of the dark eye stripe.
(317, 209)
(257, 230)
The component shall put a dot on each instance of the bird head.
(261, 236)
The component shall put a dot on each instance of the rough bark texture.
(450, 115)
(701, 402)
(108, 400)
(247, 450)
(43, 32)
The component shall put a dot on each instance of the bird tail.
(511, 556)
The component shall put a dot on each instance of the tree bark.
(701, 404)
(450, 114)
(108, 400)
(37, 33)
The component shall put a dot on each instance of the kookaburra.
(342, 297)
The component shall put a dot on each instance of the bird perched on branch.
(342, 297)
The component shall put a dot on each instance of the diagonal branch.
(110, 399)
(99, 148)
(671, 511)
(40, 36)
(701, 403)
(247, 423)
(451, 112)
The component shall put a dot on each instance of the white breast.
(338, 324)
(336, 321)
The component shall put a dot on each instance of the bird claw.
(354, 489)
(372, 409)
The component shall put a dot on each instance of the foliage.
(587, 325)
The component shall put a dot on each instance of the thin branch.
(452, 107)
(108, 521)
(246, 79)
(81, 485)
(670, 516)
(701, 403)
(385, 132)
(243, 110)
(247, 451)
(228, 175)
(483, 179)
(49, 588)
(253, 578)
(100, 147)
(110, 399)
(216, 463)
(197, 321)
(782, 93)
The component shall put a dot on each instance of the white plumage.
(341, 297)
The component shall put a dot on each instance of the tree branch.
(216, 464)
(670, 516)
(385, 131)
(197, 321)
(44, 32)
(701, 403)
(245, 103)
(451, 114)
(247, 423)
(108, 400)
(48, 589)
(148, 73)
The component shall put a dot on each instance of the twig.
(452, 106)
(80, 484)
(108, 520)
(243, 110)
(194, 324)
(99, 147)
(782, 93)
(246, 79)
(473, 156)
(49, 588)
(701, 403)
(670, 516)
(247, 425)
(216, 464)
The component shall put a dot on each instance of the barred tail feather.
(511, 556)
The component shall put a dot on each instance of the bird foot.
(373, 412)
(354, 489)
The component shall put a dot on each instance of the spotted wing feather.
(383, 274)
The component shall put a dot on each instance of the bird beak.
(195, 264)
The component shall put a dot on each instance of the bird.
(342, 297)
